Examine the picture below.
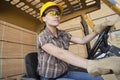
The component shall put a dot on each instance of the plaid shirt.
(48, 65)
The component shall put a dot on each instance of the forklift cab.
(101, 44)
(20, 25)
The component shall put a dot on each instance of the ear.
(44, 19)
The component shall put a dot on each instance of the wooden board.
(79, 50)
(27, 49)
(11, 50)
(1, 31)
(11, 67)
(29, 38)
(12, 34)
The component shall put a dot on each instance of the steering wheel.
(100, 42)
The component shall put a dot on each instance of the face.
(52, 17)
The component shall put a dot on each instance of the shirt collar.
(50, 33)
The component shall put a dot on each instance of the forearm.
(65, 55)
(73, 59)
(89, 37)
(84, 40)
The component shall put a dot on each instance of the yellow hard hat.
(48, 5)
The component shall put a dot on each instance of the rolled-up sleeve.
(42, 40)
(68, 36)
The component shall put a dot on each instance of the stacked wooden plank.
(15, 43)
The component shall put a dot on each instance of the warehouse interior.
(20, 26)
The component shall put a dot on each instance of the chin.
(55, 24)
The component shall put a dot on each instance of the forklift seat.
(31, 63)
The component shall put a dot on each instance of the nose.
(56, 15)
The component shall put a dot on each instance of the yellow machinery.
(113, 4)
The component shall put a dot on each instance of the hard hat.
(48, 5)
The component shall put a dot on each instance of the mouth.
(56, 20)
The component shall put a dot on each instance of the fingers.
(104, 66)
(110, 23)
(94, 68)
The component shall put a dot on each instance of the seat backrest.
(31, 63)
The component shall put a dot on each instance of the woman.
(53, 54)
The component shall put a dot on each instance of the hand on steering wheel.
(100, 27)
(101, 39)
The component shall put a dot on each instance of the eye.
(54, 13)
(58, 13)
